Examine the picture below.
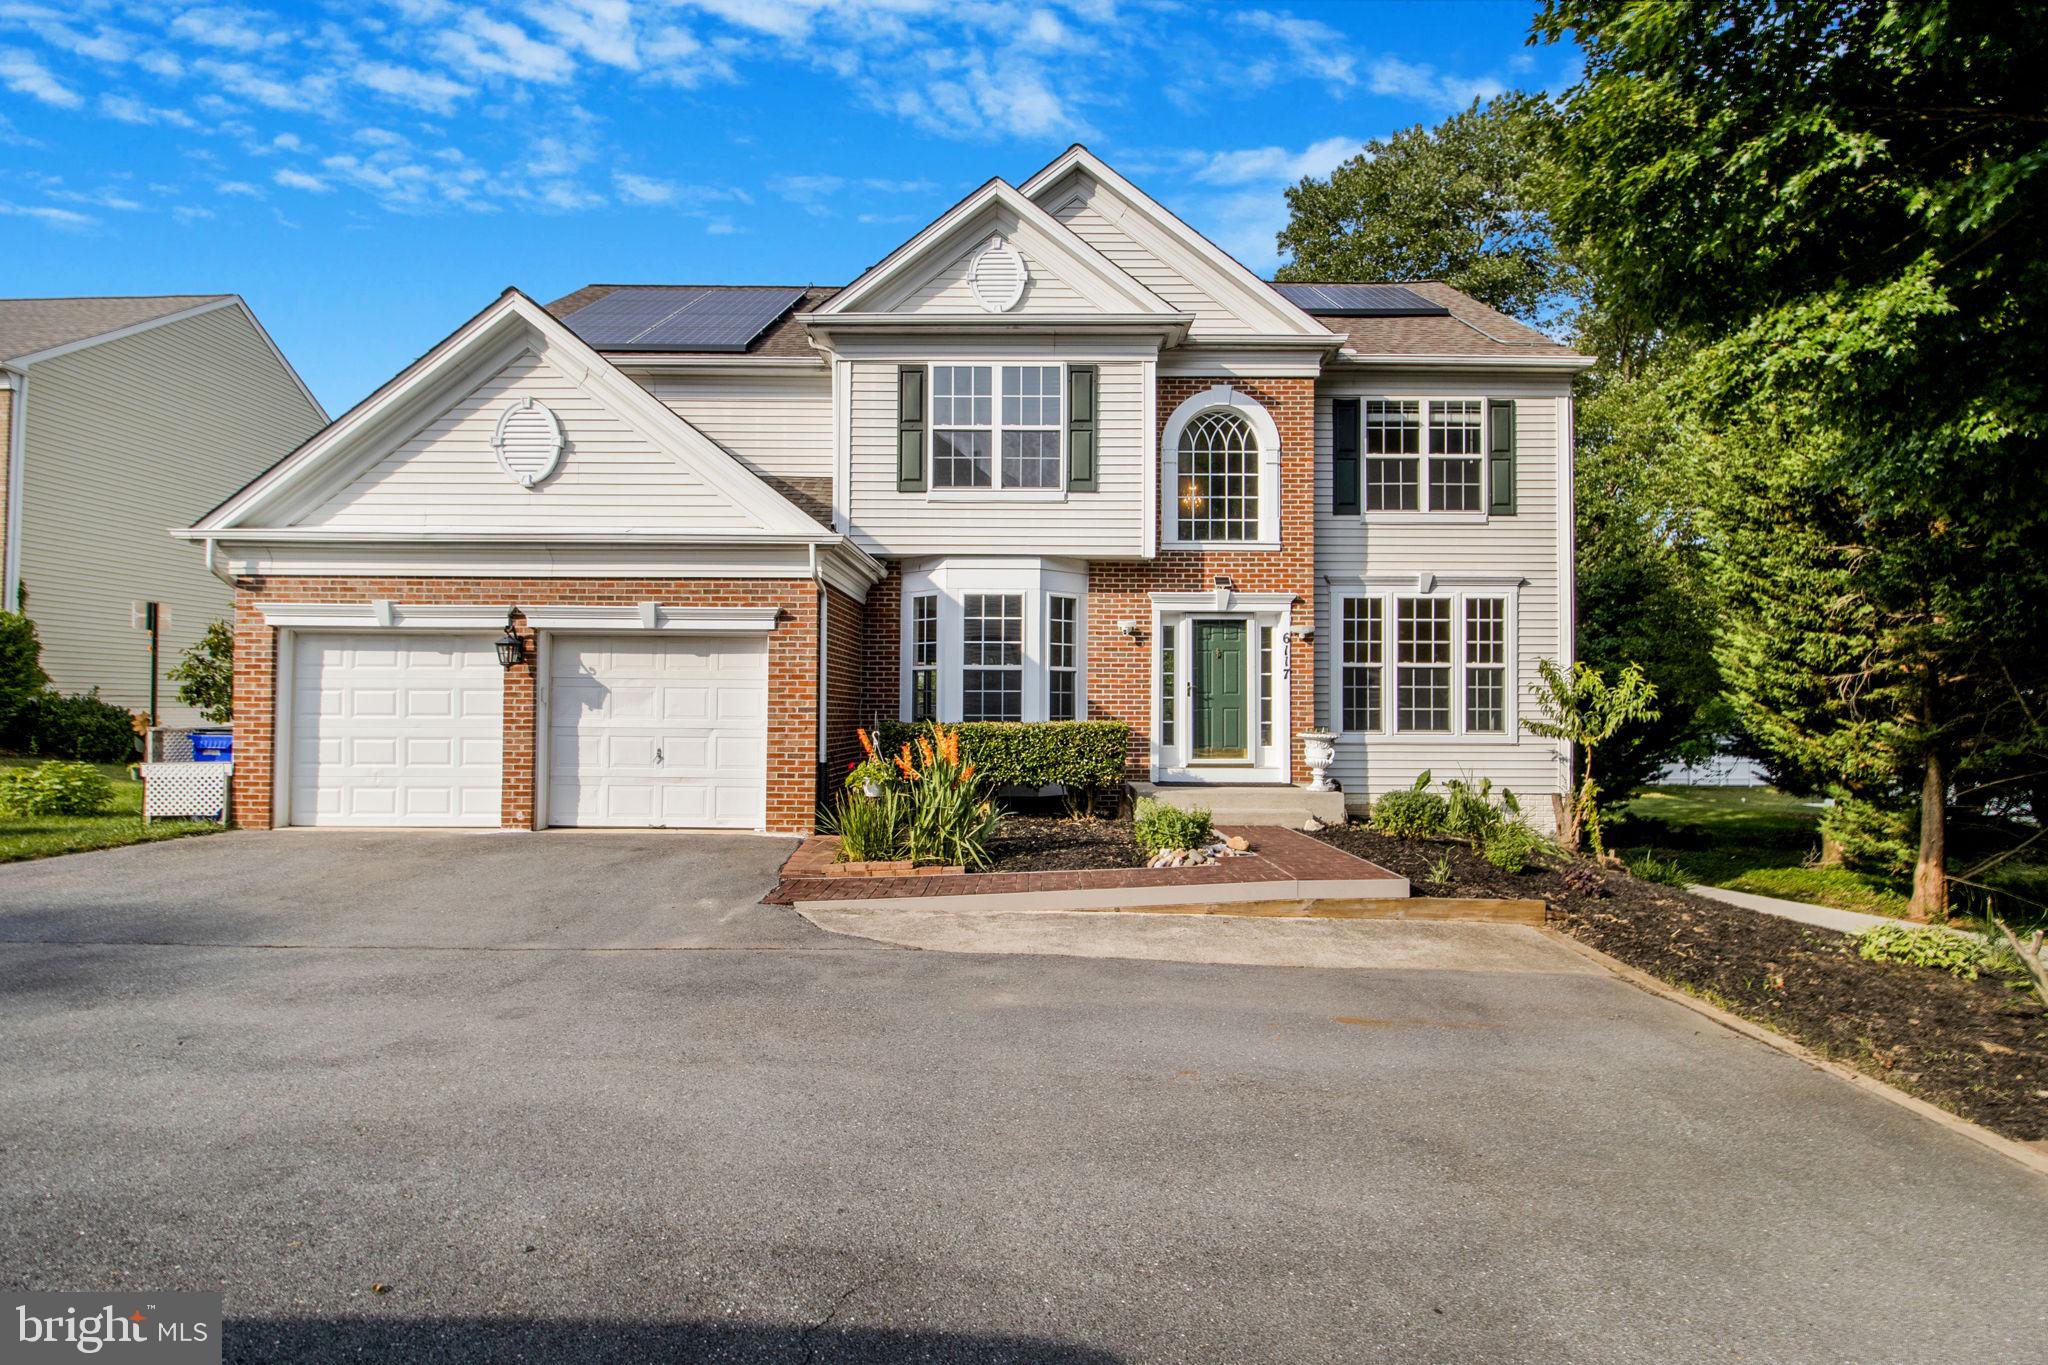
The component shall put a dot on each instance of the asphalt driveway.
(578, 1098)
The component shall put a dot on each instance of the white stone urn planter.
(871, 790)
(1319, 751)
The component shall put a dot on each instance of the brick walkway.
(1282, 855)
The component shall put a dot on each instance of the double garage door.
(390, 729)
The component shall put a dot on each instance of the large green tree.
(1841, 202)
(1460, 202)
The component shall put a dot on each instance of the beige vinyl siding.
(612, 475)
(1524, 545)
(1093, 227)
(774, 424)
(1108, 523)
(123, 441)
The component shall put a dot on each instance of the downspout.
(17, 422)
(824, 667)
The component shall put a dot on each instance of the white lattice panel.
(185, 790)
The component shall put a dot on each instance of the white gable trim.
(1183, 248)
(1086, 269)
(398, 410)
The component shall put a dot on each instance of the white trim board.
(654, 617)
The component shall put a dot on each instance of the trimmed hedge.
(1086, 755)
(78, 727)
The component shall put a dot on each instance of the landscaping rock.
(1237, 843)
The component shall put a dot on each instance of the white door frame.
(1174, 614)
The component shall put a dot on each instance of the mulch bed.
(1053, 843)
(1976, 1048)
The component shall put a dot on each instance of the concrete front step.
(1270, 804)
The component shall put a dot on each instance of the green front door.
(1218, 676)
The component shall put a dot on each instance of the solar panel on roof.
(1361, 301)
(687, 317)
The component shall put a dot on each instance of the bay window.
(924, 657)
(992, 654)
(1062, 651)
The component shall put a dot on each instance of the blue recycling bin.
(213, 748)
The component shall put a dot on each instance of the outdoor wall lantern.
(511, 649)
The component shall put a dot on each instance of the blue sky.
(369, 175)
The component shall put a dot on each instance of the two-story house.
(648, 555)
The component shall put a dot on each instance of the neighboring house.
(122, 418)
(1056, 456)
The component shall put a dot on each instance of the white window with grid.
(1393, 454)
(1220, 466)
(1062, 657)
(924, 657)
(1361, 644)
(992, 656)
(1437, 663)
(998, 427)
(1457, 455)
(1486, 665)
(1422, 664)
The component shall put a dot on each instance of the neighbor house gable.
(420, 455)
(934, 273)
(1131, 228)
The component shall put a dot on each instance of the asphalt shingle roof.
(31, 325)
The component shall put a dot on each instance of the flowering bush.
(951, 818)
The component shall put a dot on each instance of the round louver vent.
(529, 441)
(997, 277)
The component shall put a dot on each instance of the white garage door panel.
(396, 731)
(652, 731)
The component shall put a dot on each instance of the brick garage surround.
(792, 673)
(1120, 669)
(845, 657)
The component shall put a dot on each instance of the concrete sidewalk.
(1825, 917)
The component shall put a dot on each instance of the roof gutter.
(17, 424)
(1570, 362)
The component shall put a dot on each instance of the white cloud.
(1266, 165)
(128, 109)
(601, 29)
(644, 189)
(676, 56)
(164, 64)
(1312, 46)
(807, 190)
(59, 218)
(24, 74)
(99, 199)
(299, 180)
(1424, 84)
(239, 187)
(190, 213)
(252, 83)
(409, 85)
(230, 27)
(1246, 217)
(491, 47)
(787, 19)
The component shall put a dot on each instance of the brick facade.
(845, 656)
(792, 673)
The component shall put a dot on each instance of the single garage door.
(393, 729)
(652, 731)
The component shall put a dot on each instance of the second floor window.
(1457, 452)
(1424, 454)
(978, 442)
(1393, 451)
(1219, 478)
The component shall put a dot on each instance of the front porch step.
(1270, 804)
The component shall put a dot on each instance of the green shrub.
(80, 727)
(1411, 814)
(1470, 811)
(1922, 946)
(55, 788)
(1873, 839)
(868, 830)
(1649, 867)
(1512, 846)
(22, 679)
(205, 674)
(1086, 755)
(1159, 826)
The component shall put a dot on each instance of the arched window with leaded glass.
(1218, 496)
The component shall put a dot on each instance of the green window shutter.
(1500, 448)
(1080, 428)
(910, 429)
(1344, 457)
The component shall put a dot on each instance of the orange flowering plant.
(950, 816)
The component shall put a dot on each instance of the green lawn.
(42, 836)
(1751, 839)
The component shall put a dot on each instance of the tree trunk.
(1831, 854)
(1930, 875)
